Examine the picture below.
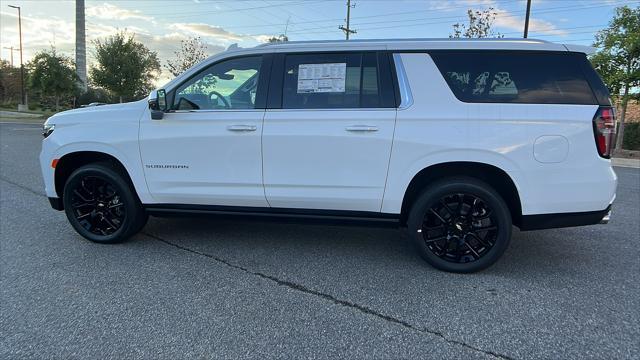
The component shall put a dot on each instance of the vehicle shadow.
(288, 247)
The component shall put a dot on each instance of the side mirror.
(158, 104)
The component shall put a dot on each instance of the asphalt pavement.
(211, 288)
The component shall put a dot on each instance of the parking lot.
(212, 288)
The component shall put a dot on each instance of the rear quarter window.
(514, 77)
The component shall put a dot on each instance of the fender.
(392, 201)
(131, 164)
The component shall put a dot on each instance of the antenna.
(286, 27)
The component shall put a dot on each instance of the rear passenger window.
(508, 77)
(322, 81)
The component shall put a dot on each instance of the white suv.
(456, 140)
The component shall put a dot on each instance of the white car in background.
(456, 140)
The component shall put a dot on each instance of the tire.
(101, 204)
(460, 225)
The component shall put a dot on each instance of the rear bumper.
(56, 203)
(560, 220)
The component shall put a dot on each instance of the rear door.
(328, 131)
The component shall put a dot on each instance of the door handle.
(362, 128)
(242, 128)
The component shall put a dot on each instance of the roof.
(415, 44)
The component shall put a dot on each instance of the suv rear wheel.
(460, 225)
(101, 205)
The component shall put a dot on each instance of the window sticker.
(321, 78)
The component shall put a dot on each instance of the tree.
(52, 76)
(277, 39)
(125, 67)
(480, 25)
(9, 83)
(618, 59)
(191, 52)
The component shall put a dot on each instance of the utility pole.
(23, 97)
(81, 48)
(526, 19)
(347, 30)
(10, 48)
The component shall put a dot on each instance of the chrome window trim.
(406, 98)
(333, 109)
(212, 111)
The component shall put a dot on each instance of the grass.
(36, 110)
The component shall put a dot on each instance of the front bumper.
(607, 217)
(56, 203)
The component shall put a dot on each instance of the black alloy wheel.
(460, 225)
(101, 205)
(459, 228)
(97, 206)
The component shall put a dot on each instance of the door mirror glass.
(158, 103)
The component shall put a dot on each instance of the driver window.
(230, 84)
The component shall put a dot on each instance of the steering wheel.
(224, 101)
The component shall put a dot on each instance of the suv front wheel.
(460, 225)
(101, 205)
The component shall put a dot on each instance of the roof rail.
(400, 40)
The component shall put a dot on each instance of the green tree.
(618, 59)
(191, 52)
(480, 25)
(9, 83)
(124, 66)
(52, 75)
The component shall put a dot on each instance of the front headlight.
(47, 129)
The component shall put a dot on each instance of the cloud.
(164, 45)
(207, 30)
(37, 34)
(507, 20)
(108, 11)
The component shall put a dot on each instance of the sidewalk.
(20, 117)
(632, 163)
(15, 114)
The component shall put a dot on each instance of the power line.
(548, 10)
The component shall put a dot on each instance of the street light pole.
(23, 100)
(11, 49)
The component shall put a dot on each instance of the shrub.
(93, 95)
(631, 136)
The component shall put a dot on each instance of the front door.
(207, 149)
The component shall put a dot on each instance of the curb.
(630, 163)
(10, 120)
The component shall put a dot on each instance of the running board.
(342, 217)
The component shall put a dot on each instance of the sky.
(162, 24)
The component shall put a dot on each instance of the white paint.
(549, 149)
(345, 159)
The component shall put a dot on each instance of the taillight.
(604, 129)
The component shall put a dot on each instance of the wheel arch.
(69, 162)
(490, 174)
